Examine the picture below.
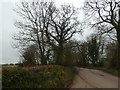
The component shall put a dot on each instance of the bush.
(47, 76)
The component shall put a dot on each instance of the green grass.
(47, 76)
(111, 71)
(114, 72)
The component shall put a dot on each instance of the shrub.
(47, 76)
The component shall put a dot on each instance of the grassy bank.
(48, 76)
(108, 70)
(111, 71)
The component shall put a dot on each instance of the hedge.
(47, 76)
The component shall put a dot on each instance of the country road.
(89, 78)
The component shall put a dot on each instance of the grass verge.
(111, 71)
(115, 72)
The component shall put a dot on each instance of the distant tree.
(93, 50)
(70, 53)
(11, 64)
(32, 26)
(105, 13)
(90, 52)
(82, 48)
(111, 52)
(29, 56)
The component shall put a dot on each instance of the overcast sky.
(8, 54)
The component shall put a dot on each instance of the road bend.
(90, 78)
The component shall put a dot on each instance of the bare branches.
(46, 25)
(34, 23)
(63, 23)
(105, 12)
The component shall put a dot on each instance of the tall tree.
(106, 12)
(48, 26)
(63, 25)
(32, 26)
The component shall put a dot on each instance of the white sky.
(8, 54)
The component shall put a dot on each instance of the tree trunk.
(43, 60)
(42, 57)
(60, 54)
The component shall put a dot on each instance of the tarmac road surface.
(89, 78)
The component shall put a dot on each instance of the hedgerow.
(47, 76)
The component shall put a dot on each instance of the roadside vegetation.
(112, 71)
(47, 76)
(115, 72)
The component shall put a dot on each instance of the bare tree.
(63, 25)
(107, 13)
(32, 26)
(48, 26)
